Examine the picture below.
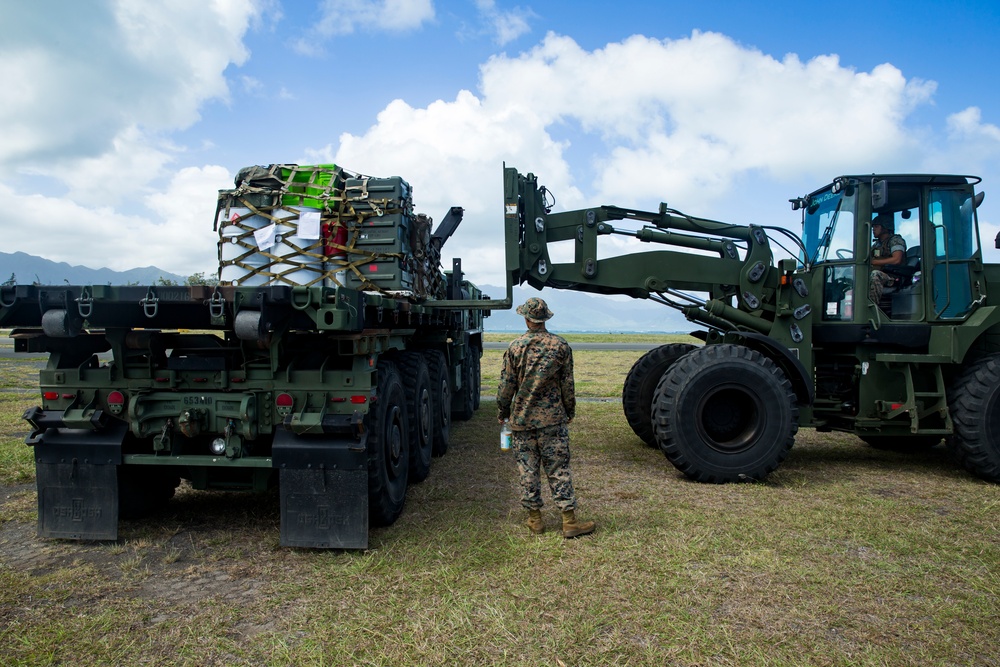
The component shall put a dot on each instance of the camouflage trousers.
(544, 449)
(877, 283)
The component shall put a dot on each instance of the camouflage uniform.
(879, 280)
(536, 394)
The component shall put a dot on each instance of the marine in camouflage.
(536, 382)
(879, 280)
(537, 396)
(544, 449)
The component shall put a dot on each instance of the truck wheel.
(464, 405)
(974, 403)
(419, 413)
(640, 386)
(388, 455)
(437, 364)
(725, 413)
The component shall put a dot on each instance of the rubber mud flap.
(77, 501)
(324, 509)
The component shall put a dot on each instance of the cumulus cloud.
(174, 233)
(91, 97)
(344, 17)
(505, 26)
(119, 66)
(687, 116)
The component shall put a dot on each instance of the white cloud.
(506, 26)
(96, 93)
(968, 124)
(344, 17)
(74, 85)
(690, 117)
(177, 236)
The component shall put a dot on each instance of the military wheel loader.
(797, 341)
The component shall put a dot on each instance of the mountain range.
(574, 311)
(27, 269)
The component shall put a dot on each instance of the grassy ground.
(845, 556)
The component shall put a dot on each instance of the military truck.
(329, 361)
(797, 341)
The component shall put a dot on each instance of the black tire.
(464, 402)
(437, 364)
(901, 443)
(640, 387)
(974, 403)
(419, 413)
(144, 489)
(388, 455)
(725, 413)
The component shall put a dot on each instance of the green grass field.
(845, 556)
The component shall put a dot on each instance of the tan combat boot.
(574, 528)
(534, 522)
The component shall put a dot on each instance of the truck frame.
(340, 396)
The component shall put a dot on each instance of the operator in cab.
(888, 249)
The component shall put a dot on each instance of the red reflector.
(372, 268)
(116, 398)
(201, 379)
(897, 406)
(359, 399)
(68, 395)
(284, 400)
(239, 379)
(50, 395)
(163, 379)
(337, 399)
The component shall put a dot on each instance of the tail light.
(116, 402)
(284, 403)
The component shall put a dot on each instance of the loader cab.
(935, 215)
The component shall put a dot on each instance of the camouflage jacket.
(885, 248)
(536, 382)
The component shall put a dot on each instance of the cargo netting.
(321, 225)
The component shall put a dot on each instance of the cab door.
(957, 261)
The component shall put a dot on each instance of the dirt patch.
(152, 557)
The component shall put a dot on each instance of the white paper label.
(309, 224)
(265, 236)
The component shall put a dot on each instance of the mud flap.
(323, 483)
(76, 474)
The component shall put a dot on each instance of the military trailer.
(329, 361)
(801, 341)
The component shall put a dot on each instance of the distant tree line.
(193, 280)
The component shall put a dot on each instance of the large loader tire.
(725, 413)
(640, 386)
(388, 455)
(437, 363)
(974, 403)
(419, 413)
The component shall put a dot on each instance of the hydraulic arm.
(729, 266)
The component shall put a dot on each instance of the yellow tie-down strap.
(320, 262)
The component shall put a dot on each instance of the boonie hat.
(534, 310)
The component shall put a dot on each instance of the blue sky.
(124, 118)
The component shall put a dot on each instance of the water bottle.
(505, 437)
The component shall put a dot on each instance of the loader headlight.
(218, 446)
